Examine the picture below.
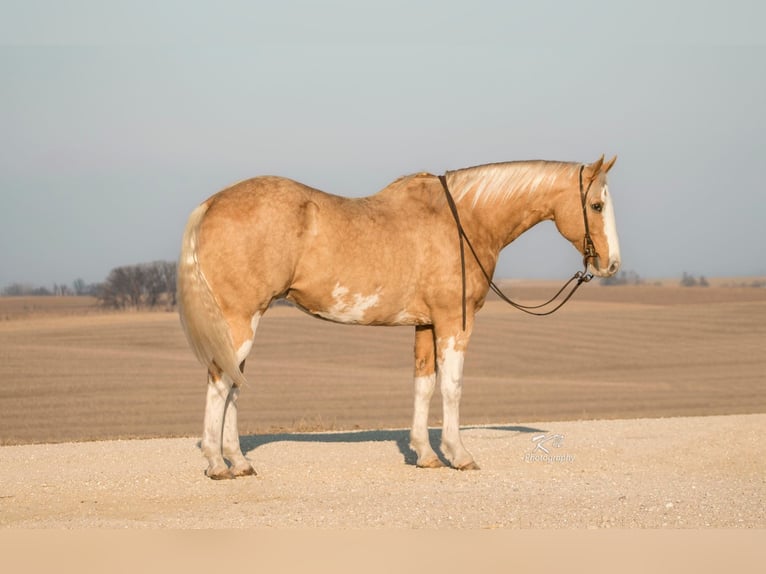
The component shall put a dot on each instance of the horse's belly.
(373, 307)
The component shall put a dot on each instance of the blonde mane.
(498, 182)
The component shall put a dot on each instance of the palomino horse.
(388, 259)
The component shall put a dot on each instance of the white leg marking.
(231, 449)
(450, 369)
(230, 441)
(215, 409)
(419, 442)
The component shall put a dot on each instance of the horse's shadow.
(400, 437)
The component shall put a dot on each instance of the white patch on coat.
(246, 347)
(349, 308)
(404, 317)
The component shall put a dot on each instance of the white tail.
(206, 329)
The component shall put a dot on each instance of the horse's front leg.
(450, 351)
(425, 381)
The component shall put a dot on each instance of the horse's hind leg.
(220, 436)
(219, 387)
(227, 437)
(232, 450)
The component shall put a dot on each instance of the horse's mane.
(497, 182)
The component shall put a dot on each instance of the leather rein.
(583, 276)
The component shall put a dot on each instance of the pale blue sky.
(117, 119)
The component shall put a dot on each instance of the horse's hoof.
(469, 466)
(244, 471)
(431, 463)
(224, 474)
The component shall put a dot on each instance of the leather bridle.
(588, 248)
(583, 276)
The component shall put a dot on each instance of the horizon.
(634, 279)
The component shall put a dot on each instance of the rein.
(583, 276)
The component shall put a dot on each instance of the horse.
(390, 258)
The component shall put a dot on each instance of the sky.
(118, 118)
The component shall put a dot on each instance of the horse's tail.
(206, 328)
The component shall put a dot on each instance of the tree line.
(78, 287)
(633, 278)
(146, 285)
(141, 286)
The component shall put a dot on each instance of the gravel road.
(693, 472)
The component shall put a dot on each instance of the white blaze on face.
(349, 308)
(610, 228)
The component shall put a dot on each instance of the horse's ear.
(591, 170)
(608, 165)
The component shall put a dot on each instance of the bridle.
(583, 276)
(588, 248)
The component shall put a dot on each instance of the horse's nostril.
(614, 267)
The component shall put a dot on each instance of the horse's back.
(416, 189)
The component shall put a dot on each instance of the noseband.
(583, 276)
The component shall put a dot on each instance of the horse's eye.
(597, 207)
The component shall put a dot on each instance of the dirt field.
(613, 352)
(636, 354)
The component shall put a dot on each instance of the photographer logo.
(541, 452)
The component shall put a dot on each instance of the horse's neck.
(505, 200)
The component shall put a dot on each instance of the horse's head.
(585, 216)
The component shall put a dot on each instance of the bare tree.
(79, 287)
(17, 289)
(136, 286)
(61, 289)
(169, 270)
(24, 289)
(622, 278)
(153, 285)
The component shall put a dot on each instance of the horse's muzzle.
(594, 266)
